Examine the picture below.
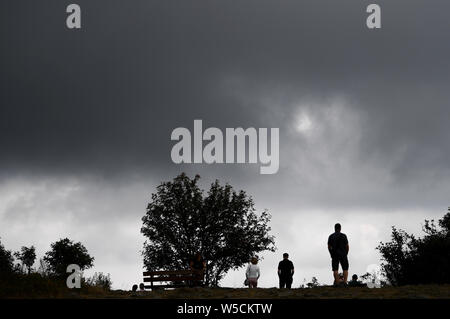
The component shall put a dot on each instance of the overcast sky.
(86, 117)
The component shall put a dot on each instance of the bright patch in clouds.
(304, 123)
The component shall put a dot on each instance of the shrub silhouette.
(408, 260)
(6, 260)
(222, 225)
(100, 280)
(27, 256)
(314, 283)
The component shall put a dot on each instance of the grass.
(36, 286)
(406, 292)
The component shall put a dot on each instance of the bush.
(19, 285)
(100, 280)
(6, 261)
(314, 283)
(408, 260)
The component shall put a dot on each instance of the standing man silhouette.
(338, 248)
(285, 271)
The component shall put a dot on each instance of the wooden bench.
(172, 279)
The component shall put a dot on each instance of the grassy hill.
(405, 292)
(36, 286)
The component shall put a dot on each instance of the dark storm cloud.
(105, 99)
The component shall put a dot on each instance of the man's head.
(355, 277)
(337, 227)
(285, 256)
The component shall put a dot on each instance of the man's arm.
(330, 248)
(347, 247)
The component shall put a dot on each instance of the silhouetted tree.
(27, 256)
(65, 252)
(411, 260)
(222, 225)
(6, 260)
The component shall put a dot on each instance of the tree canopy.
(222, 225)
(65, 252)
(408, 260)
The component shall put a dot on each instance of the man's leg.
(345, 276)
(336, 276)
(335, 268)
(282, 282)
(289, 283)
(344, 264)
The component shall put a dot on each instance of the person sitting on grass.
(134, 290)
(141, 289)
(355, 282)
(253, 273)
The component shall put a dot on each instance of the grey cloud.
(107, 97)
(95, 108)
